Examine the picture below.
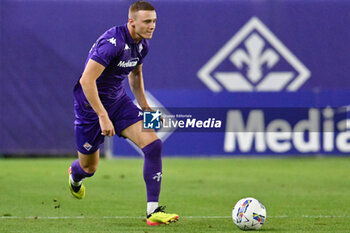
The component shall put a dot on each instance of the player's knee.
(158, 144)
(146, 141)
(154, 148)
(89, 163)
(91, 169)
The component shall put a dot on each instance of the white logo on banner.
(318, 132)
(253, 54)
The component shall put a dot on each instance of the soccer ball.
(249, 214)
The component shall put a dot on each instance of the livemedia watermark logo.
(250, 120)
(183, 119)
(152, 120)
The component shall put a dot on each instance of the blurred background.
(233, 54)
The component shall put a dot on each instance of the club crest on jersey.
(140, 48)
(130, 63)
(87, 146)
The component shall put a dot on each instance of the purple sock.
(78, 173)
(152, 169)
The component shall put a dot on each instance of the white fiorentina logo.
(260, 61)
(158, 176)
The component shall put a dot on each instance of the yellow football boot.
(79, 194)
(160, 217)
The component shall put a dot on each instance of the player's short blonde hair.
(141, 6)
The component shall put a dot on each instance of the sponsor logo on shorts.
(87, 146)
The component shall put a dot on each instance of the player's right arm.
(92, 71)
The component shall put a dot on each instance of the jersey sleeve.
(106, 49)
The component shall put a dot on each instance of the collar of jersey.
(129, 39)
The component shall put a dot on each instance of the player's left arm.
(137, 87)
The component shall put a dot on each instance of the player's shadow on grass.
(267, 229)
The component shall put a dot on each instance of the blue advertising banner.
(259, 129)
(251, 64)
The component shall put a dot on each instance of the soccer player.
(102, 107)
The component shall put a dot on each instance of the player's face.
(145, 23)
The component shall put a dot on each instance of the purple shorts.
(122, 113)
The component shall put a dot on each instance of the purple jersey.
(119, 54)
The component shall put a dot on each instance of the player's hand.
(107, 128)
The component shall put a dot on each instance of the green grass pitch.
(300, 194)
